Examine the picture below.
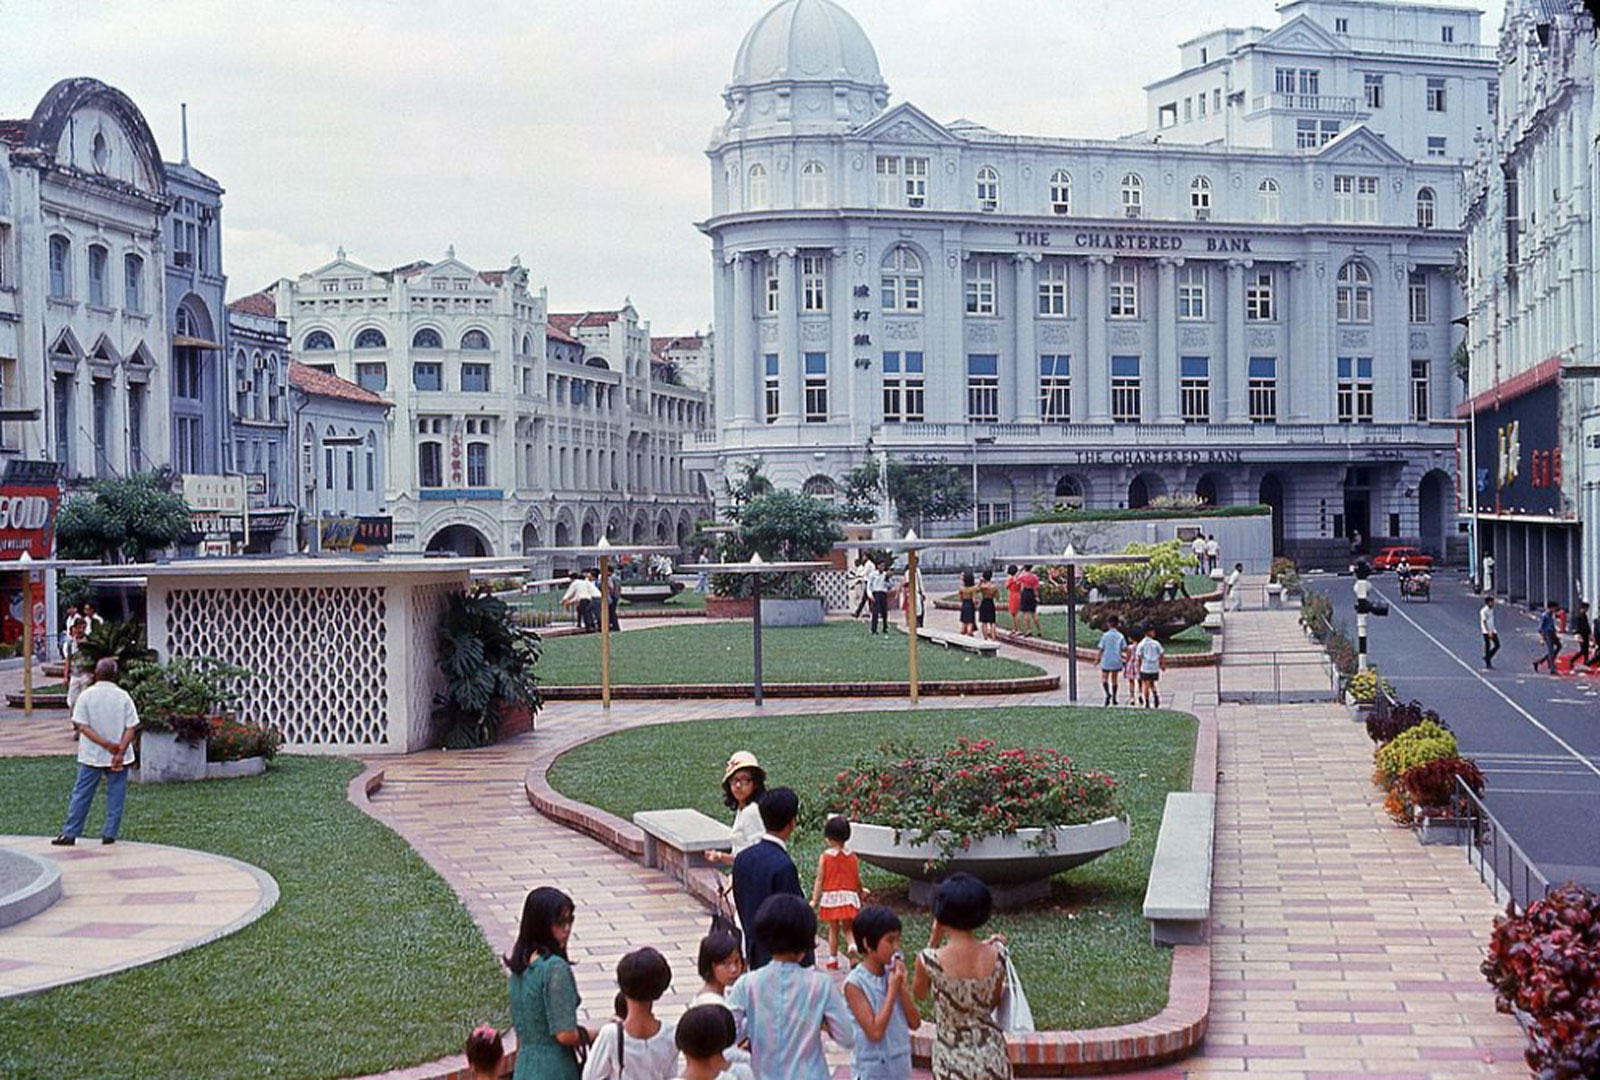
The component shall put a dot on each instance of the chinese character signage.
(1520, 467)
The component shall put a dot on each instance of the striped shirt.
(782, 1008)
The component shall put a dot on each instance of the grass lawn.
(721, 652)
(368, 962)
(1084, 955)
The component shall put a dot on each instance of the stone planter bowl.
(1007, 864)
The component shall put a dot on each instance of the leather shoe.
(64, 841)
(108, 839)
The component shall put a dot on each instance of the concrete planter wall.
(163, 759)
(227, 770)
(649, 593)
(1007, 864)
(776, 612)
(730, 607)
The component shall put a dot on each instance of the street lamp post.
(753, 570)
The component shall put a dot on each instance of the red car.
(1391, 557)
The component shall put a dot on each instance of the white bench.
(1177, 902)
(676, 840)
(959, 641)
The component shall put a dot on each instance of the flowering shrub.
(1546, 963)
(1363, 686)
(234, 740)
(1412, 747)
(1433, 783)
(1385, 724)
(968, 792)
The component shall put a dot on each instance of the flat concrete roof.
(300, 566)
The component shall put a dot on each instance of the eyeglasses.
(741, 778)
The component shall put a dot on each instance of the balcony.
(1325, 104)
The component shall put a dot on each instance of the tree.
(748, 483)
(780, 526)
(123, 520)
(920, 493)
(1169, 561)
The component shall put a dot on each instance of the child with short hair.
(704, 1035)
(966, 978)
(1113, 648)
(1151, 657)
(881, 1005)
(837, 894)
(485, 1051)
(796, 1003)
(720, 964)
(639, 1042)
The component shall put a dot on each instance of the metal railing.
(1316, 681)
(1500, 862)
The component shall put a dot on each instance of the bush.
(969, 791)
(231, 739)
(1385, 724)
(1546, 963)
(1286, 574)
(1169, 617)
(1365, 686)
(1415, 746)
(1433, 783)
(1316, 615)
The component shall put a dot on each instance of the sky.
(571, 133)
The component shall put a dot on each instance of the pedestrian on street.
(1234, 595)
(1550, 637)
(1491, 636)
(1583, 630)
(1113, 648)
(1197, 548)
(105, 720)
(878, 588)
(1213, 553)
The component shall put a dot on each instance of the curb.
(1172, 1033)
(1032, 684)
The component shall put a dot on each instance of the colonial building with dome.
(1251, 301)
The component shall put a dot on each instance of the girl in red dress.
(837, 893)
(1013, 595)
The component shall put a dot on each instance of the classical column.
(1391, 345)
(743, 361)
(1302, 398)
(789, 394)
(1025, 376)
(1236, 377)
(1166, 395)
(1096, 366)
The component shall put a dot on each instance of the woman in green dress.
(544, 997)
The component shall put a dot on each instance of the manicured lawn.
(1084, 955)
(367, 963)
(722, 652)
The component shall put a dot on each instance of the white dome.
(806, 41)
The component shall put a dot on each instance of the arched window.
(1061, 192)
(1200, 198)
(1268, 208)
(427, 339)
(258, 387)
(527, 344)
(757, 196)
(242, 384)
(1425, 208)
(475, 340)
(1132, 195)
(1069, 492)
(902, 280)
(132, 283)
(1353, 293)
(813, 184)
(988, 190)
(371, 338)
(60, 266)
(99, 276)
(819, 487)
(271, 378)
(318, 341)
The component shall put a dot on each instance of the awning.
(184, 341)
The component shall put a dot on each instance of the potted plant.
(488, 665)
(176, 702)
(647, 579)
(1013, 817)
(1364, 687)
(237, 747)
(1438, 810)
(1136, 592)
(780, 526)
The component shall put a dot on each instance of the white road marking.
(1524, 713)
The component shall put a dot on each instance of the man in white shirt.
(1491, 636)
(1213, 553)
(878, 589)
(1235, 598)
(1197, 548)
(105, 719)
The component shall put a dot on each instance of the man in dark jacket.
(765, 869)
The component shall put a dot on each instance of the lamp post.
(1073, 561)
(753, 570)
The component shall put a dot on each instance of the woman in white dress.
(744, 781)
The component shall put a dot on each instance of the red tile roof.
(584, 318)
(553, 330)
(260, 303)
(13, 132)
(660, 345)
(492, 277)
(311, 381)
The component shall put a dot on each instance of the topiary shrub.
(1385, 724)
(1414, 746)
(1169, 617)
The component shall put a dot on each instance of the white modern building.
(510, 428)
(1532, 414)
(1220, 305)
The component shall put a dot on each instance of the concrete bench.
(959, 641)
(676, 840)
(1177, 902)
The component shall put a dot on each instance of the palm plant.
(123, 642)
(488, 662)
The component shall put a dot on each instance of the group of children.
(1143, 659)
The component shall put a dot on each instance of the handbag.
(1013, 1013)
(724, 915)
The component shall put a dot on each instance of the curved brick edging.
(1032, 684)
(1172, 1033)
(1057, 648)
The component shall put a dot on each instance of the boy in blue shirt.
(1113, 646)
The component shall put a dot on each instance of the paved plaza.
(1340, 947)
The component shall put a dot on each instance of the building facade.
(344, 452)
(1532, 418)
(1094, 322)
(509, 429)
(196, 322)
(257, 383)
(84, 334)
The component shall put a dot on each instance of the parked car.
(1391, 557)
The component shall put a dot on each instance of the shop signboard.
(28, 520)
(1519, 444)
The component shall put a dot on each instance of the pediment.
(905, 123)
(1360, 144)
(104, 352)
(1301, 34)
(339, 267)
(66, 346)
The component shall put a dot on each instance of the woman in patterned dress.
(967, 978)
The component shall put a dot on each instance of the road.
(1536, 737)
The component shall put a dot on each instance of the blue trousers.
(89, 777)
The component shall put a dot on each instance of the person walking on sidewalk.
(1491, 636)
(1151, 657)
(1113, 647)
(878, 589)
(1213, 553)
(105, 719)
(1234, 595)
(1550, 637)
(1197, 548)
(1583, 630)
